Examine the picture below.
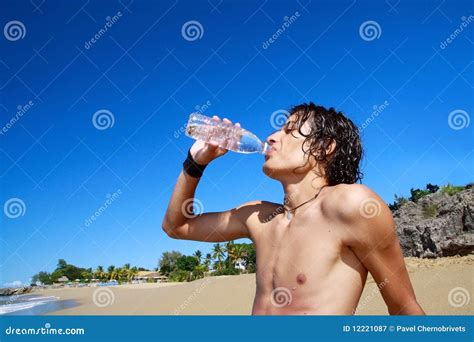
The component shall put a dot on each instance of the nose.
(271, 139)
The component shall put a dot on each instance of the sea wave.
(12, 304)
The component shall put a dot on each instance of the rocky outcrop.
(437, 225)
(15, 291)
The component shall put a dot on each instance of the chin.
(266, 169)
(270, 171)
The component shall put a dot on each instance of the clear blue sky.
(144, 71)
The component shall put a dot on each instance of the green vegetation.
(416, 194)
(176, 266)
(85, 275)
(452, 189)
(430, 211)
(399, 201)
(222, 261)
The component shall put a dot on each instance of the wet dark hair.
(328, 125)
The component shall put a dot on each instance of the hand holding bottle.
(204, 152)
(220, 137)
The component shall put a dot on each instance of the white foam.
(28, 304)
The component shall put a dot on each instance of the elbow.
(171, 231)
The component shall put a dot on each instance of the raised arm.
(180, 223)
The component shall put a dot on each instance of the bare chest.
(289, 249)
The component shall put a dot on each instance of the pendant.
(289, 215)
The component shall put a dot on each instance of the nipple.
(301, 278)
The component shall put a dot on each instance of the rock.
(15, 291)
(438, 225)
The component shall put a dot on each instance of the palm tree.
(85, 275)
(99, 273)
(133, 272)
(218, 253)
(229, 246)
(125, 272)
(208, 260)
(61, 263)
(198, 256)
(112, 273)
(235, 253)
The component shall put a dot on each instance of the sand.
(433, 280)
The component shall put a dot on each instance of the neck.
(302, 189)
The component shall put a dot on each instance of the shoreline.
(443, 286)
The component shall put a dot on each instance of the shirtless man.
(313, 259)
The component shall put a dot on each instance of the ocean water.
(32, 304)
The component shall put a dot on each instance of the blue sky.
(149, 76)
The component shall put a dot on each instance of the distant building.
(63, 279)
(146, 276)
(240, 264)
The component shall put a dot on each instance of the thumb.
(212, 145)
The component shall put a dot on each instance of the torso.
(304, 265)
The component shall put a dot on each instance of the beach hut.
(146, 276)
(63, 279)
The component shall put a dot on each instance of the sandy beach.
(443, 286)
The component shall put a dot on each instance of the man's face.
(286, 154)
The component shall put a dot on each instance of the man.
(315, 250)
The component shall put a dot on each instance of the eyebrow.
(288, 123)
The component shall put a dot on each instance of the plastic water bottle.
(230, 137)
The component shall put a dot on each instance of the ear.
(331, 147)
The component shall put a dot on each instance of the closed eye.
(289, 127)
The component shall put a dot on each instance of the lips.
(269, 153)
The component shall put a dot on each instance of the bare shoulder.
(351, 195)
(358, 205)
(344, 197)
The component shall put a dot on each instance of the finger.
(227, 121)
(238, 124)
(215, 118)
(213, 144)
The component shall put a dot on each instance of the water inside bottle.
(227, 136)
